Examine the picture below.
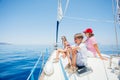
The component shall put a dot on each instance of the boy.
(79, 53)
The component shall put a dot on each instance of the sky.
(34, 21)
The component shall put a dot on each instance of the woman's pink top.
(90, 45)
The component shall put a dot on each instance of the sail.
(60, 15)
(118, 11)
(118, 4)
(60, 12)
(59, 18)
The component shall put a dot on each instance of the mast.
(116, 13)
(59, 18)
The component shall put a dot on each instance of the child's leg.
(64, 54)
(58, 53)
(74, 57)
(68, 56)
(73, 68)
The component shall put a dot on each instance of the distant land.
(4, 43)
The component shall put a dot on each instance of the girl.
(91, 43)
(65, 51)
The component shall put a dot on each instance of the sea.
(17, 61)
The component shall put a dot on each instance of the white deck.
(99, 67)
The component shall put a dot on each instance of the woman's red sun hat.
(88, 30)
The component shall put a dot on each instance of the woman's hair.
(91, 34)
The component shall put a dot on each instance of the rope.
(66, 7)
(64, 73)
(105, 70)
(34, 67)
(88, 77)
(92, 20)
(74, 77)
(115, 23)
(42, 61)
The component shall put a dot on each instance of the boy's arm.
(76, 48)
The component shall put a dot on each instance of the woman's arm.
(98, 51)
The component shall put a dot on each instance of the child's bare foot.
(63, 55)
(72, 69)
(68, 66)
(55, 60)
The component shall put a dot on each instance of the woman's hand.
(103, 58)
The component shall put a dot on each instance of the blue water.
(16, 62)
(109, 49)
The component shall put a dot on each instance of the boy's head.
(78, 38)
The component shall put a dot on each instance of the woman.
(92, 44)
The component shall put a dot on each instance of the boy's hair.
(79, 36)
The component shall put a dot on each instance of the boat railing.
(32, 75)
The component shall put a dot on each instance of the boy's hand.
(73, 48)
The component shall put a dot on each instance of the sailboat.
(97, 69)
